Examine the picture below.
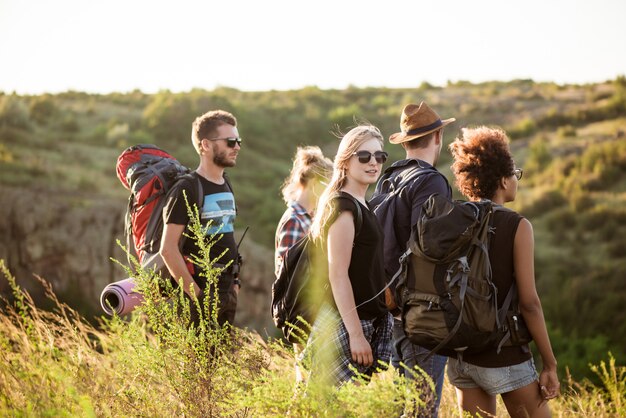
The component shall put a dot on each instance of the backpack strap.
(412, 170)
(230, 187)
(390, 187)
(128, 226)
(199, 198)
(501, 314)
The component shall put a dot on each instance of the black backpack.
(448, 300)
(300, 284)
(383, 204)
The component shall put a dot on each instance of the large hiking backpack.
(448, 299)
(300, 285)
(149, 173)
(383, 203)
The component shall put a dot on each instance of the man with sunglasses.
(215, 137)
(397, 203)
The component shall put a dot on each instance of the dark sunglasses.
(366, 156)
(231, 141)
(518, 173)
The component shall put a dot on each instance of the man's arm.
(174, 259)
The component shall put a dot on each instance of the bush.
(14, 113)
(539, 157)
(567, 131)
(545, 203)
(524, 128)
(69, 125)
(42, 109)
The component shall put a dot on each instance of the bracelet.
(237, 282)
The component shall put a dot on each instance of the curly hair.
(481, 159)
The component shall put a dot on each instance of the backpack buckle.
(404, 256)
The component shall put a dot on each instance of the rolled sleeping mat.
(119, 297)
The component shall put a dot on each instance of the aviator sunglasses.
(518, 173)
(366, 156)
(230, 141)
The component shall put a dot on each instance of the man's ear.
(439, 136)
(204, 146)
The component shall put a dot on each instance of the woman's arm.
(340, 241)
(530, 306)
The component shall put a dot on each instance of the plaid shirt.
(294, 225)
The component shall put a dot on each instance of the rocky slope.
(69, 240)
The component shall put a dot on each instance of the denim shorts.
(494, 380)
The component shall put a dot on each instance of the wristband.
(237, 282)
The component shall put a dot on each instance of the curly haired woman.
(484, 169)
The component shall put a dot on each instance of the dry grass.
(56, 364)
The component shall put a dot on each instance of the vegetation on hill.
(56, 364)
(570, 139)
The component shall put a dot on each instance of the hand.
(549, 384)
(361, 350)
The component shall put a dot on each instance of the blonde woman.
(353, 328)
(301, 191)
(484, 169)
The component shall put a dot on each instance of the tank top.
(366, 270)
(502, 267)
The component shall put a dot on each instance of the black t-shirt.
(218, 206)
(366, 271)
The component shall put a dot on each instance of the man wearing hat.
(397, 202)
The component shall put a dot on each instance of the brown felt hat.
(417, 121)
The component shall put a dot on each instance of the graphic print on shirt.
(220, 209)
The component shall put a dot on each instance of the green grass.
(151, 364)
(568, 138)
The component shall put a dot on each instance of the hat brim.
(401, 137)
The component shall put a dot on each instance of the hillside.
(63, 206)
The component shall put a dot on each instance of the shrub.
(42, 109)
(69, 125)
(6, 156)
(524, 128)
(539, 156)
(344, 116)
(545, 203)
(14, 113)
(567, 131)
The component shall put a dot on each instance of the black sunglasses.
(366, 156)
(230, 141)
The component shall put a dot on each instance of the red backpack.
(148, 172)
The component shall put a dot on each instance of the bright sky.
(121, 45)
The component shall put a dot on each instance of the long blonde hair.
(309, 163)
(349, 144)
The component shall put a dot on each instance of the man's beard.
(220, 159)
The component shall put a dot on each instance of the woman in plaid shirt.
(300, 191)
